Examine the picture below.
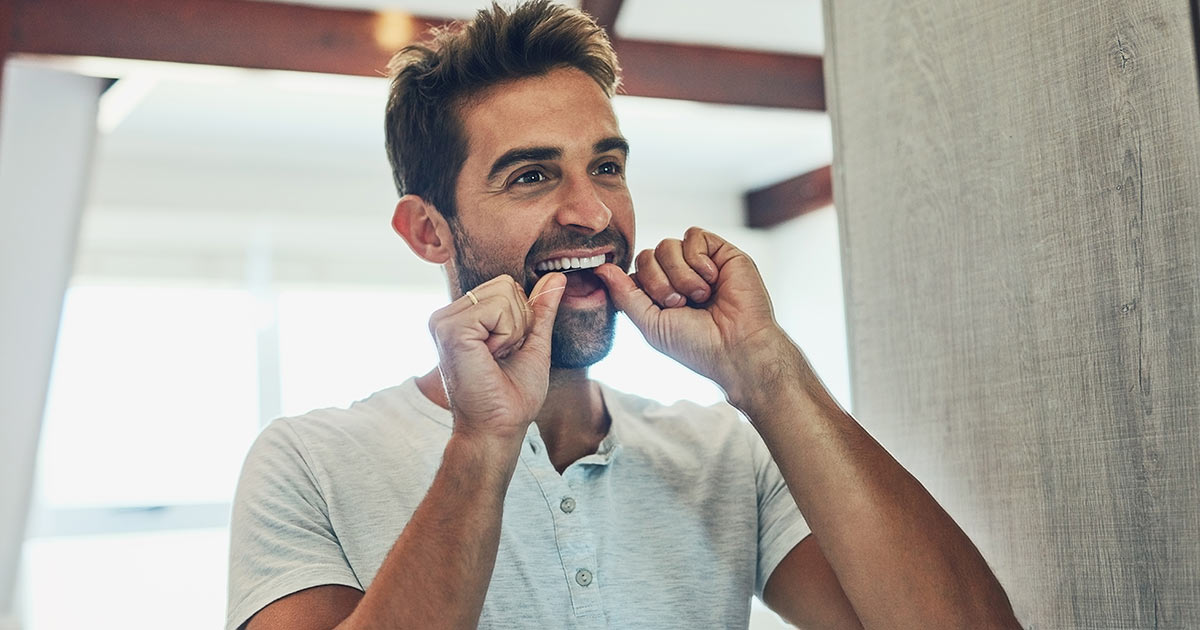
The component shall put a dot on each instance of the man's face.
(544, 180)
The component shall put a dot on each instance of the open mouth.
(582, 285)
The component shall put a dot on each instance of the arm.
(438, 571)
(805, 591)
(900, 559)
(897, 556)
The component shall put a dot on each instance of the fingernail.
(674, 299)
(698, 295)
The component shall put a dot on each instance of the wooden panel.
(279, 36)
(6, 10)
(770, 206)
(1018, 186)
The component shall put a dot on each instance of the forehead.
(562, 108)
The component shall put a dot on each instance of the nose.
(581, 207)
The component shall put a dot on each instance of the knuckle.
(667, 246)
(439, 329)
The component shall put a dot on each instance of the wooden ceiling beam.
(770, 206)
(604, 12)
(278, 36)
(721, 75)
(265, 35)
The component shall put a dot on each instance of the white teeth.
(569, 264)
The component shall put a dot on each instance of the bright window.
(153, 398)
(146, 580)
(338, 346)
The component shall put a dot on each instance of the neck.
(572, 420)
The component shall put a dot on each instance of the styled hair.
(432, 81)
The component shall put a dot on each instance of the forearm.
(437, 573)
(901, 560)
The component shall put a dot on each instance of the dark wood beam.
(790, 198)
(277, 36)
(266, 35)
(605, 13)
(721, 75)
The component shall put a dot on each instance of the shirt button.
(583, 576)
(567, 505)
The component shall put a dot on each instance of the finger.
(495, 313)
(655, 283)
(680, 274)
(628, 296)
(522, 316)
(464, 302)
(490, 322)
(696, 253)
(543, 302)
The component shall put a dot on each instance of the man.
(504, 489)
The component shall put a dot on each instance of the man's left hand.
(702, 302)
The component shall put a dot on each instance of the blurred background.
(234, 263)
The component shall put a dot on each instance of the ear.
(425, 230)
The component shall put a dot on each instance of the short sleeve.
(781, 526)
(281, 540)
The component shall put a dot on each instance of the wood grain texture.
(1018, 186)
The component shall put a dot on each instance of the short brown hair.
(431, 81)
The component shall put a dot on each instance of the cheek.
(623, 216)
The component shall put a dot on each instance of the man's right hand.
(495, 354)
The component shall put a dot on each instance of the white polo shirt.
(675, 522)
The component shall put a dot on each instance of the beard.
(581, 337)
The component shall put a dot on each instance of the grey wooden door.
(1018, 188)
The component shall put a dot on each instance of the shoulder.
(388, 425)
(389, 414)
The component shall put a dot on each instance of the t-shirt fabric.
(677, 519)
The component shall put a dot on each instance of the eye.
(530, 177)
(608, 168)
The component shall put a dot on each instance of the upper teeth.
(568, 264)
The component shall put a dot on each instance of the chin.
(582, 338)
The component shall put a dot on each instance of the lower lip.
(599, 297)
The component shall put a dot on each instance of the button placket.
(573, 539)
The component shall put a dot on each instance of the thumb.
(628, 296)
(544, 300)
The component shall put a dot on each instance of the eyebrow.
(540, 154)
(523, 154)
(615, 143)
